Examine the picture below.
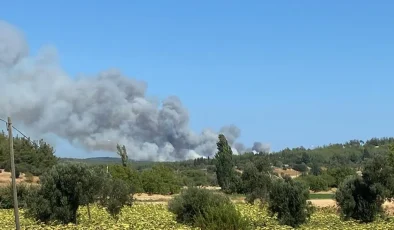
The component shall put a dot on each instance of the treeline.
(362, 187)
(320, 168)
(31, 157)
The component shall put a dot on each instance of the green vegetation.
(225, 172)
(288, 199)
(67, 186)
(207, 210)
(6, 198)
(33, 157)
(361, 172)
(160, 180)
(361, 197)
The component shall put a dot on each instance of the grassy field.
(155, 216)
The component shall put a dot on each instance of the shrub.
(359, 200)
(256, 184)
(221, 217)
(340, 173)
(62, 190)
(160, 180)
(195, 178)
(288, 199)
(300, 167)
(128, 175)
(6, 195)
(315, 183)
(206, 209)
(114, 196)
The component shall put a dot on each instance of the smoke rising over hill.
(91, 111)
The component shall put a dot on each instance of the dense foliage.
(256, 183)
(129, 175)
(288, 199)
(65, 189)
(34, 157)
(207, 210)
(361, 197)
(67, 186)
(6, 195)
(160, 180)
(225, 165)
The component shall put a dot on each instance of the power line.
(14, 128)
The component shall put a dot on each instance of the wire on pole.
(14, 128)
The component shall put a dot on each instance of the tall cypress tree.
(224, 163)
(123, 154)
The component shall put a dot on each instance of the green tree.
(361, 197)
(315, 183)
(340, 173)
(316, 169)
(359, 200)
(129, 175)
(160, 180)
(62, 190)
(114, 195)
(123, 154)
(35, 157)
(224, 164)
(256, 185)
(288, 199)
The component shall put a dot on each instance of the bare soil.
(321, 203)
(5, 178)
(290, 172)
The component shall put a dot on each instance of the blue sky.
(288, 73)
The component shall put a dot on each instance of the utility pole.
(10, 138)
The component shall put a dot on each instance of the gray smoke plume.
(239, 147)
(96, 112)
(260, 147)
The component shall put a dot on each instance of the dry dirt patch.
(290, 172)
(5, 178)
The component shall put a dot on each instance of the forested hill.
(351, 154)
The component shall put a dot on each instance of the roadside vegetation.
(274, 189)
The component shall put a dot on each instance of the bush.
(195, 178)
(340, 173)
(300, 167)
(358, 200)
(128, 175)
(288, 199)
(256, 184)
(161, 180)
(329, 180)
(114, 196)
(315, 183)
(6, 195)
(222, 217)
(206, 209)
(62, 190)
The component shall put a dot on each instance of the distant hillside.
(109, 161)
(94, 160)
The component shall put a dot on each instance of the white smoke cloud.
(90, 111)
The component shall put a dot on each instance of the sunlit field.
(155, 216)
